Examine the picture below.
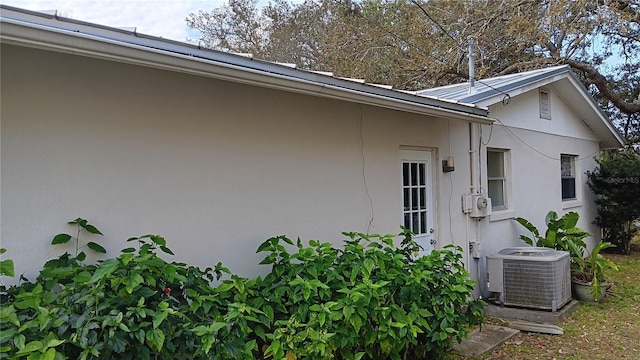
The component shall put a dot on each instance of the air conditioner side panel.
(495, 277)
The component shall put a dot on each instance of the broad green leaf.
(571, 219)
(106, 268)
(60, 239)
(6, 267)
(275, 350)
(53, 342)
(158, 240)
(166, 250)
(368, 265)
(348, 311)
(225, 286)
(30, 347)
(217, 326)
(19, 341)
(81, 256)
(82, 277)
(250, 345)
(264, 246)
(50, 354)
(97, 248)
(158, 318)
(90, 228)
(155, 338)
(6, 335)
(132, 281)
(200, 330)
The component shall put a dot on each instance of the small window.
(568, 176)
(414, 189)
(497, 178)
(545, 104)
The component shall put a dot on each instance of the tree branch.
(600, 82)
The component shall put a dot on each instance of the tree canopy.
(417, 44)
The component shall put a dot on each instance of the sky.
(152, 17)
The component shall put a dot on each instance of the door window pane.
(414, 180)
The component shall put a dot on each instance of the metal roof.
(51, 32)
(490, 87)
(569, 88)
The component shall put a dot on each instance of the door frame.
(429, 155)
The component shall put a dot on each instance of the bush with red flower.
(366, 300)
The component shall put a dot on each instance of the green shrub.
(616, 183)
(368, 300)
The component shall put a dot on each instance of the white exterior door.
(417, 197)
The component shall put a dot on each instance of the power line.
(377, 24)
(505, 100)
(507, 97)
(437, 24)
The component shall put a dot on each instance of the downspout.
(473, 157)
(473, 131)
(474, 236)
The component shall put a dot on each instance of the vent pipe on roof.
(472, 67)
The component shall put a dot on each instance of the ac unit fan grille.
(545, 285)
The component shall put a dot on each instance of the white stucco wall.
(535, 146)
(215, 167)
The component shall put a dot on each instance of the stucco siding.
(523, 111)
(535, 179)
(216, 167)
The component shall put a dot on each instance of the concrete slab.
(531, 315)
(481, 341)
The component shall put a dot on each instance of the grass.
(609, 330)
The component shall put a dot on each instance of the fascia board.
(601, 120)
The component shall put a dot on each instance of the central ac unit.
(530, 277)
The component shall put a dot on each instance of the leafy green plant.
(81, 225)
(135, 306)
(367, 300)
(561, 234)
(6, 265)
(591, 269)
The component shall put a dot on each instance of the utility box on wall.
(530, 277)
(477, 205)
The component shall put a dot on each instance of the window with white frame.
(497, 167)
(545, 104)
(568, 176)
(414, 187)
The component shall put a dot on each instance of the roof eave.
(149, 52)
